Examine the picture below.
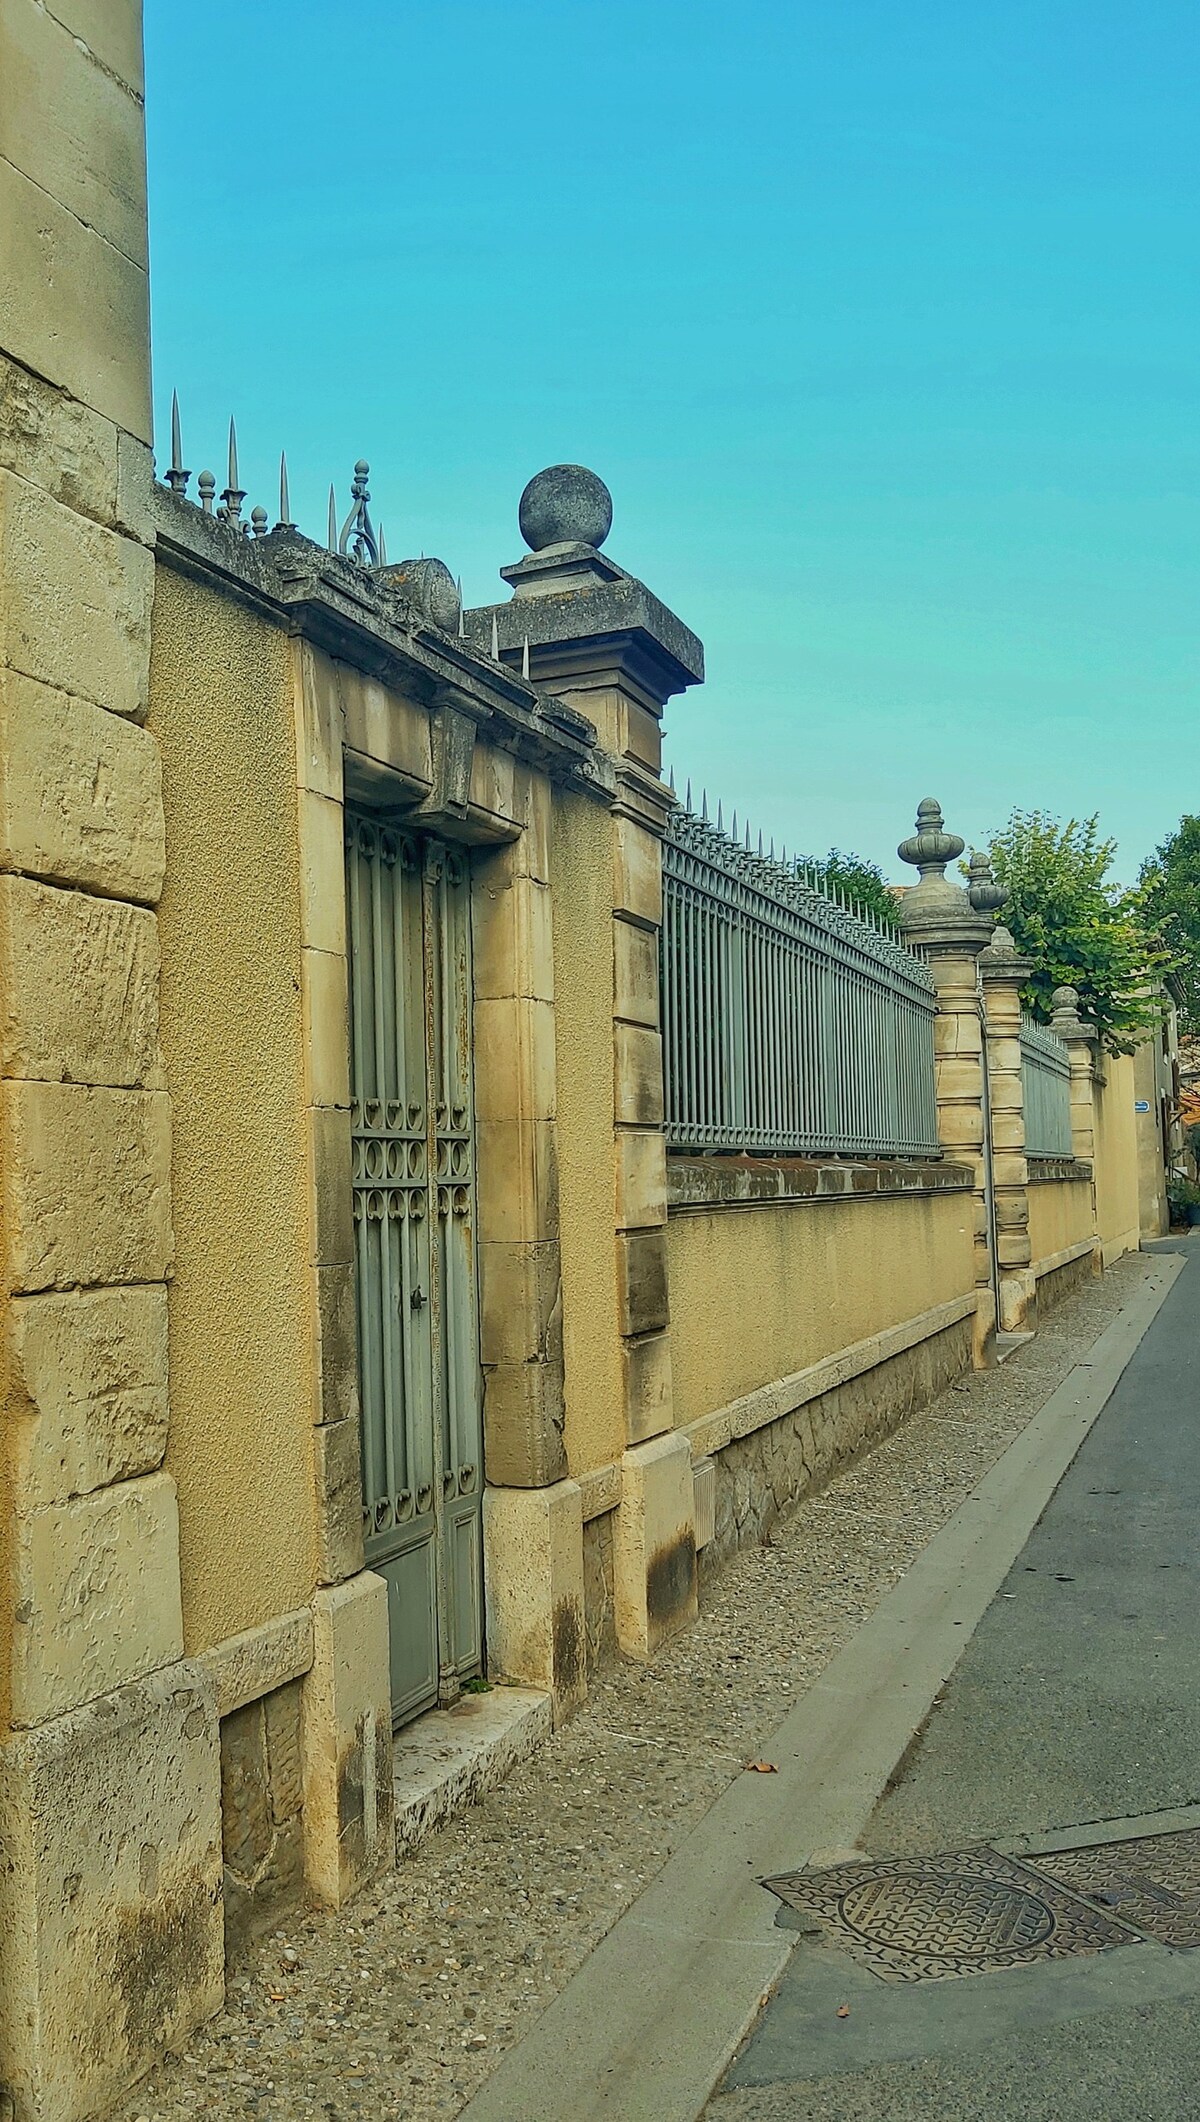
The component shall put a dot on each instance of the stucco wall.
(1117, 1207)
(241, 1427)
(760, 1292)
(581, 889)
(1060, 1215)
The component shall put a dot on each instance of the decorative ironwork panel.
(1045, 1091)
(790, 1023)
(414, 1193)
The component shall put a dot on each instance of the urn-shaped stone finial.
(985, 895)
(931, 846)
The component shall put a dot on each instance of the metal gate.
(414, 1222)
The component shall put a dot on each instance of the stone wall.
(600, 1628)
(760, 1476)
(1062, 1282)
(262, 1800)
(110, 1924)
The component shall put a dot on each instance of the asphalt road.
(1076, 1703)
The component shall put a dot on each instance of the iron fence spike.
(333, 536)
(177, 477)
(285, 507)
(382, 544)
(688, 798)
(671, 780)
(233, 494)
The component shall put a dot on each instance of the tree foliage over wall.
(858, 881)
(1170, 885)
(1079, 926)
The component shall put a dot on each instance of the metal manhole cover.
(915, 1919)
(1152, 1883)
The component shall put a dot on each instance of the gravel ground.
(400, 2006)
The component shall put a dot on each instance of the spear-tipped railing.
(792, 1021)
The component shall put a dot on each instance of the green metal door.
(414, 1222)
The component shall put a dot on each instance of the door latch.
(418, 1298)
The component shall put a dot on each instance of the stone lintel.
(245, 1667)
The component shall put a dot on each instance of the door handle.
(418, 1298)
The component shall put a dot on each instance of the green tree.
(1170, 884)
(858, 881)
(1079, 926)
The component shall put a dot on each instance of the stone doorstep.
(449, 1757)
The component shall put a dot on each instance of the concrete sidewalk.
(1075, 1707)
(645, 2028)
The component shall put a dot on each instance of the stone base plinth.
(654, 1544)
(533, 1584)
(110, 1892)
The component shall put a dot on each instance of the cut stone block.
(90, 1180)
(76, 611)
(74, 128)
(339, 1501)
(96, 1596)
(347, 1736)
(57, 443)
(654, 1546)
(112, 1946)
(75, 308)
(80, 793)
(91, 1371)
(78, 987)
(533, 1586)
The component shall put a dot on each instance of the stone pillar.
(940, 923)
(1082, 1042)
(1003, 971)
(110, 1913)
(601, 642)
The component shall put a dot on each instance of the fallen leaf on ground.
(843, 2011)
(762, 1768)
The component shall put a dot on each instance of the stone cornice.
(616, 624)
(354, 616)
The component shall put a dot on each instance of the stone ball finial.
(1065, 1020)
(985, 895)
(931, 846)
(565, 505)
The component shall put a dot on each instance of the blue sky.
(880, 320)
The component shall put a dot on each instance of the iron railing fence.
(790, 1022)
(1046, 1090)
